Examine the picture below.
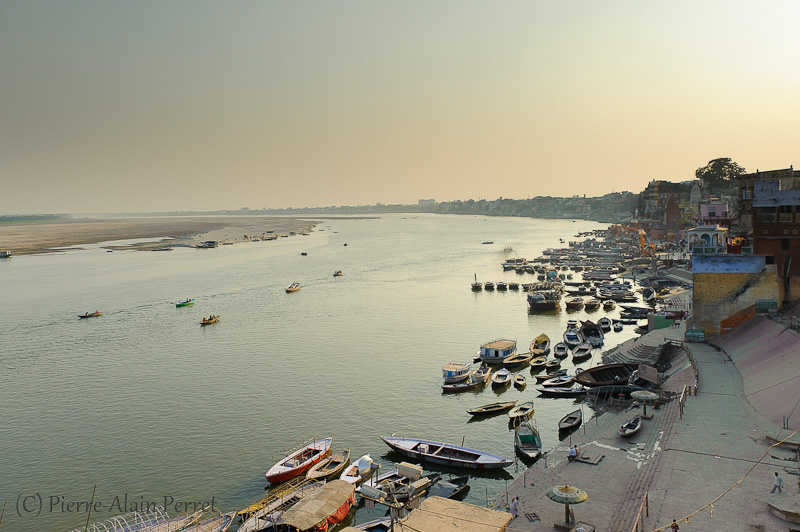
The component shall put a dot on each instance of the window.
(785, 244)
(769, 259)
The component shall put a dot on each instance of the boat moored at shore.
(445, 454)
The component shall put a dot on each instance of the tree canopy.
(719, 173)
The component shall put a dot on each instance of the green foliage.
(719, 173)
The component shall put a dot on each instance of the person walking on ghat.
(778, 484)
(674, 526)
(513, 507)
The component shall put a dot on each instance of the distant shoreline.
(48, 236)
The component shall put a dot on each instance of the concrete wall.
(724, 285)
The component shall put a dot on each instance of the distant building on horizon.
(426, 203)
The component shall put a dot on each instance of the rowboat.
(456, 372)
(552, 365)
(299, 461)
(492, 408)
(185, 303)
(556, 391)
(208, 321)
(329, 467)
(609, 304)
(527, 441)
(359, 471)
(617, 326)
(604, 323)
(571, 420)
(572, 338)
(294, 287)
(453, 488)
(445, 453)
(520, 381)
(540, 345)
(592, 304)
(519, 360)
(90, 314)
(560, 381)
(582, 352)
(521, 411)
(501, 377)
(541, 378)
(561, 350)
(631, 426)
(606, 375)
(575, 303)
(488, 285)
(477, 379)
(537, 364)
(592, 333)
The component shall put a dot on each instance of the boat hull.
(445, 454)
(307, 456)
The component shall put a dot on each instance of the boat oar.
(89, 516)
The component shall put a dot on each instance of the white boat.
(359, 471)
(496, 351)
(456, 371)
(501, 377)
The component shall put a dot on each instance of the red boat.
(299, 461)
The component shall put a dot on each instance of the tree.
(719, 173)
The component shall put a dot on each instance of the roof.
(315, 509)
(436, 514)
(500, 344)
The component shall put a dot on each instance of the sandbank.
(48, 237)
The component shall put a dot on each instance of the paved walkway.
(682, 463)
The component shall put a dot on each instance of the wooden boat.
(618, 326)
(591, 304)
(540, 346)
(511, 286)
(541, 378)
(552, 365)
(520, 381)
(317, 513)
(359, 471)
(520, 360)
(561, 350)
(556, 391)
(608, 374)
(630, 427)
(613, 391)
(605, 323)
(90, 314)
(337, 273)
(537, 364)
(185, 303)
(582, 352)
(575, 303)
(571, 421)
(445, 453)
(527, 441)
(453, 488)
(208, 321)
(521, 412)
(592, 333)
(488, 285)
(456, 372)
(572, 338)
(299, 461)
(573, 324)
(294, 287)
(609, 304)
(501, 377)
(559, 381)
(492, 408)
(543, 300)
(330, 467)
(477, 379)
(501, 285)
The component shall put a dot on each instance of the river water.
(145, 402)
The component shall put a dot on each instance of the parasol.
(567, 495)
(644, 396)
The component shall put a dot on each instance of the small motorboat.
(359, 471)
(520, 381)
(501, 378)
(571, 421)
(209, 320)
(185, 303)
(527, 441)
(561, 350)
(492, 408)
(294, 287)
(90, 314)
(522, 411)
(299, 461)
(631, 426)
(330, 467)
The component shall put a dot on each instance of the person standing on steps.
(778, 484)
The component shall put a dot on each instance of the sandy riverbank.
(48, 237)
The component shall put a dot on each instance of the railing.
(645, 506)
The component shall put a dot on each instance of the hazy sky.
(121, 106)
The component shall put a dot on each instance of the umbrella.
(644, 396)
(567, 495)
